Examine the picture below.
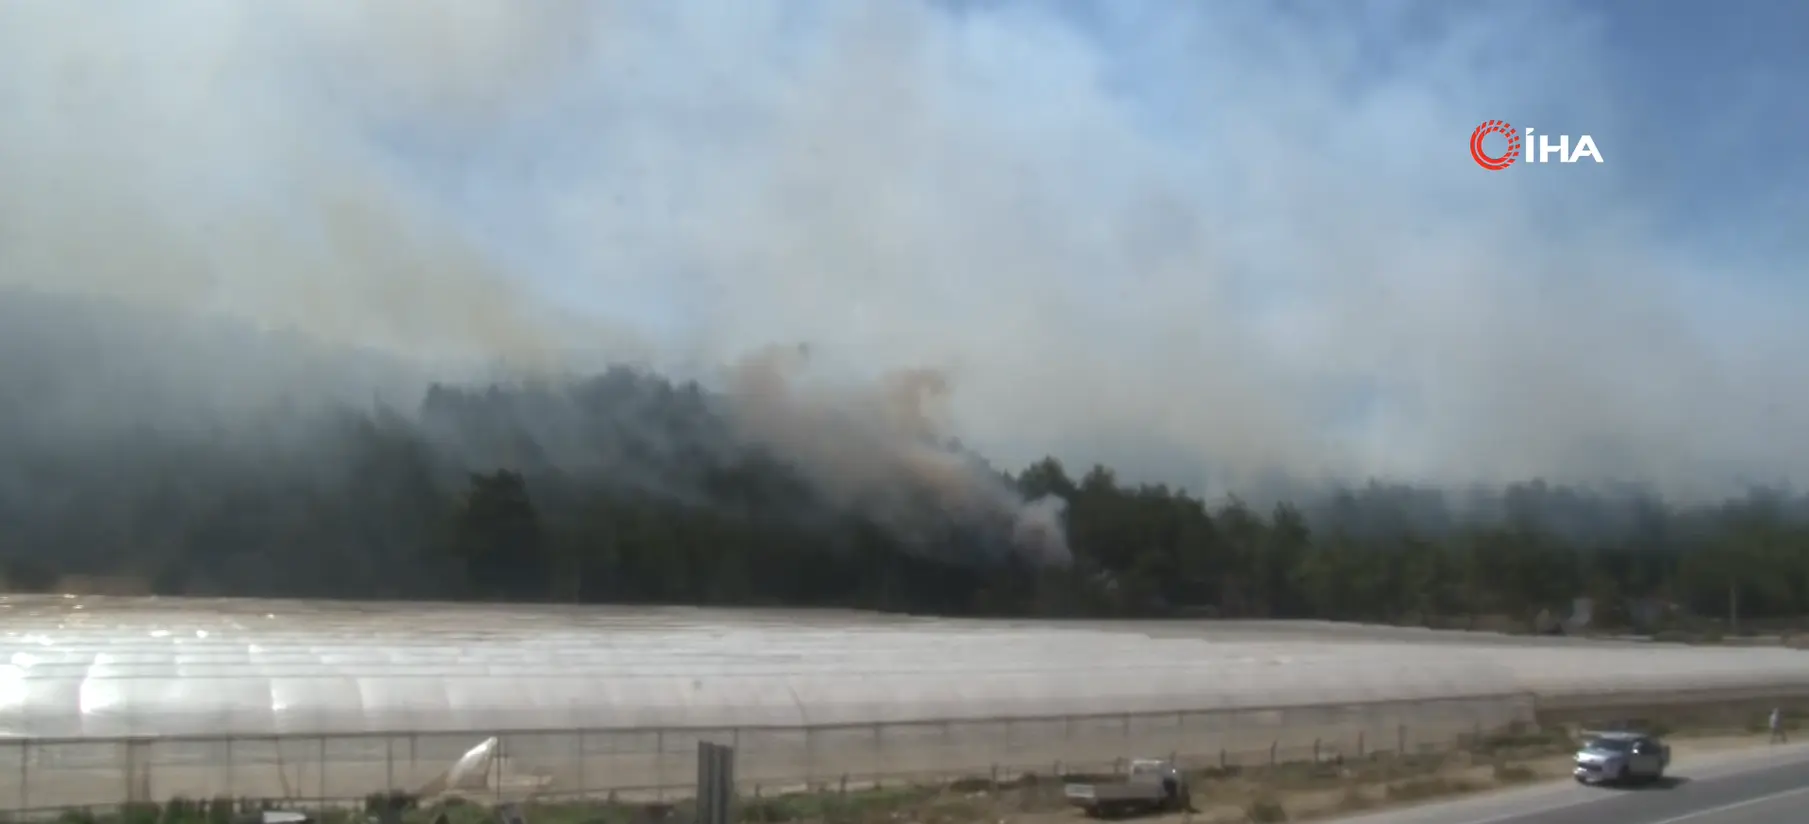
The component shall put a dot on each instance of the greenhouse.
(107, 667)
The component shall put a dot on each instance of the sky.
(1201, 242)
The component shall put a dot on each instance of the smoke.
(1200, 243)
(858, 441)
(205, 158)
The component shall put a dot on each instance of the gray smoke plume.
(1240, 248)
(858, 441)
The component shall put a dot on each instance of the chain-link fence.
(45, 774)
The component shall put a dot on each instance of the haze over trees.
(1059, 229)
(629, 487)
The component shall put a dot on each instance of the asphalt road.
(1769, 786)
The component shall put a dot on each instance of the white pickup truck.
(1149, 784)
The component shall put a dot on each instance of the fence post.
(1273, 745)
(810, 756)
(389, 763)
(131, 787)
(1359, 743)
(1400, 736)
(578, 759)
(735, 744)
(320, 768)
(24, 776)
(659, 764)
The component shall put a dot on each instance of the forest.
(628, 487)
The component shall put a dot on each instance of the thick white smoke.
(1171, 237)
(878, 447)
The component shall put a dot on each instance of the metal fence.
(46, 774)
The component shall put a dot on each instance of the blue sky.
(1691, 100)
(1199, 239)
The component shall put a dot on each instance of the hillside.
(143, 451)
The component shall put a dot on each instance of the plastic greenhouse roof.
(81, 667)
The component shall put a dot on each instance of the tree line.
(378, 506)
(631, 488)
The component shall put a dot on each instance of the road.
(1763, 787)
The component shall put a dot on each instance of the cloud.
(1198, 242)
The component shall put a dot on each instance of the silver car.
(1620, 757)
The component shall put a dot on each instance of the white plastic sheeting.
(103, 667)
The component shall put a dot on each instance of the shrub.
(1266, 811)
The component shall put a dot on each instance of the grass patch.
(1425, 789)
(1510, 773)
(1266, 810)
(831, 806)
(1523, 741)
(1356, 800)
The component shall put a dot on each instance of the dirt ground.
(1302, 793)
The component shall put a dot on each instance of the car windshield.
(1610, 745)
